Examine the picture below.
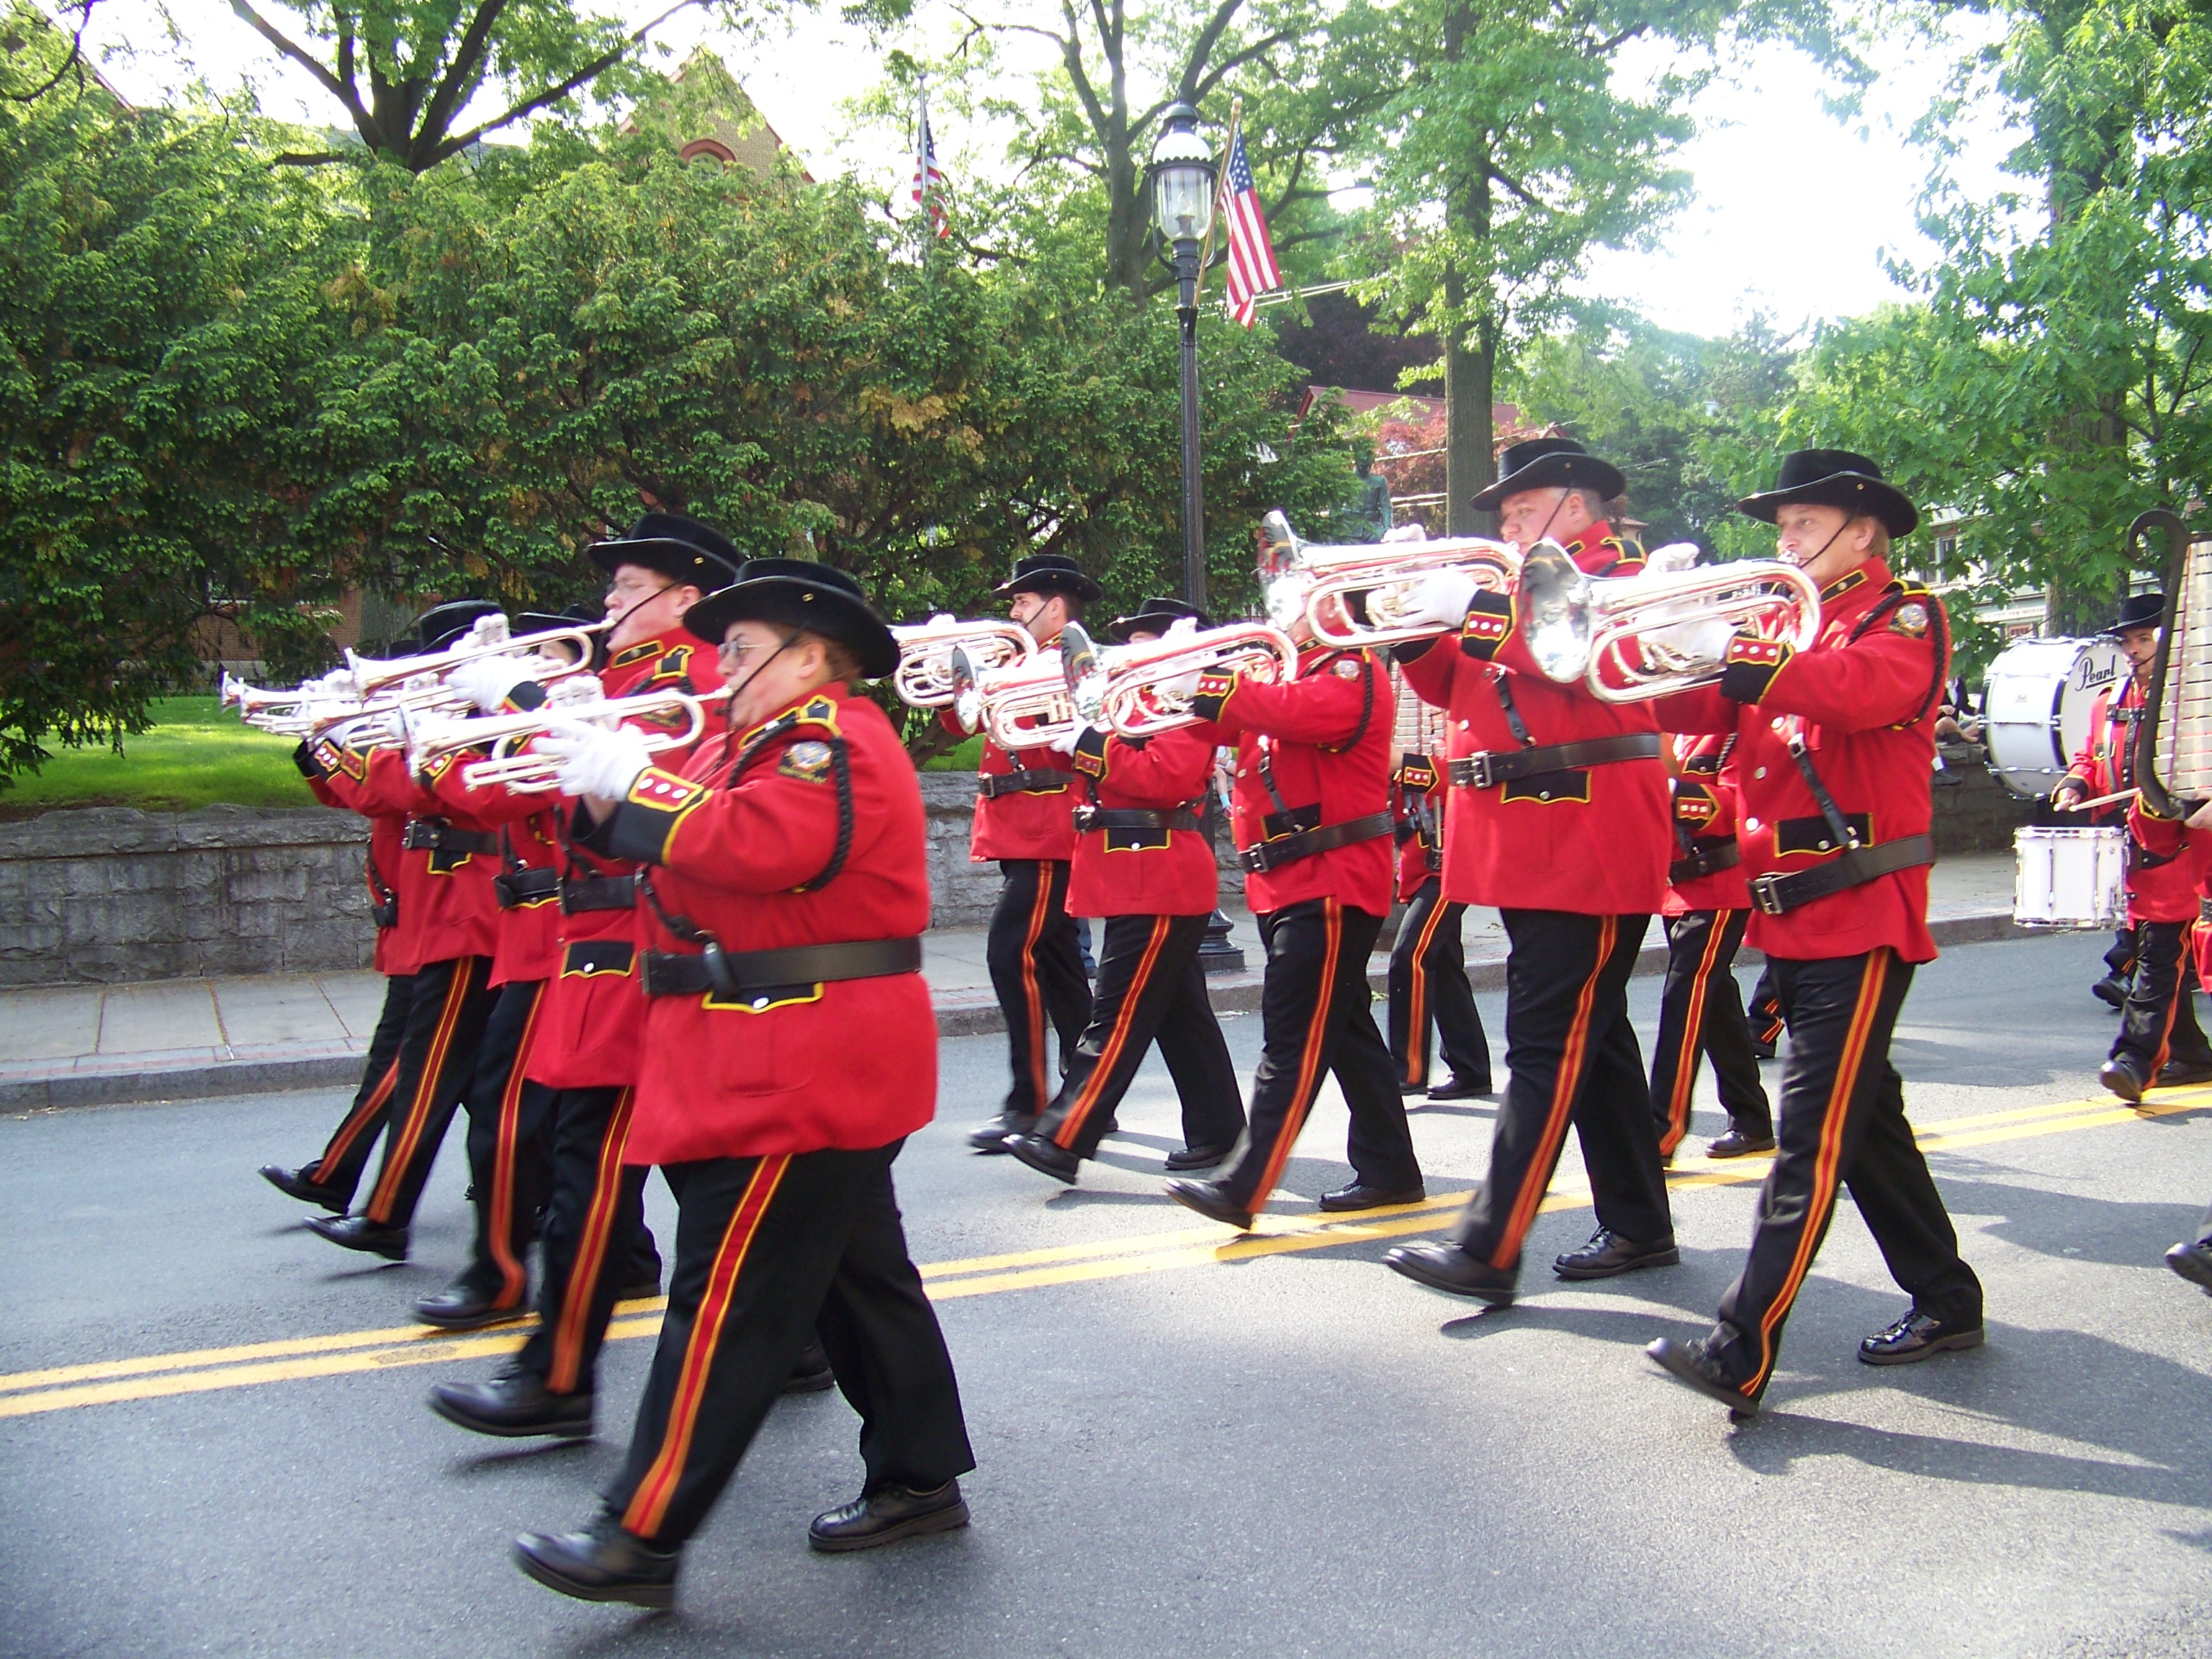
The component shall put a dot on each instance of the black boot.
(601, 1564)
(1448, 1268)
(462, 1307)
(810, 1372)
(358, 1232)
(513, 1406)
(294, 1183)
(890, 1514)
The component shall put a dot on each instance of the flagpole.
(1220, 182)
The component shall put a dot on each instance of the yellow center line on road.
(157, 1376)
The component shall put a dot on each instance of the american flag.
(1252, 268)
(928, 181)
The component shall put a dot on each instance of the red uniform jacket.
(746, 845)
(1141, 871)
(1864, 698)
(1311, 751)
(397, 949)
(529, 928)
(1417, 796)
(1706, 811)
(445, 897)
(2167, 864)
(590, 1024)
(1022, 823)
(1594, 841)
(2106, 762)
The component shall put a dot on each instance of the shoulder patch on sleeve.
(1911, 618)
(807, 760)
(1347, 669)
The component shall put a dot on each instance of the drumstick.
(2101, 801)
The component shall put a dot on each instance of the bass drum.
(2035, 708)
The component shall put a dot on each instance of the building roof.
(705, 112)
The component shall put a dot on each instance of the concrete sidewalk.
(95, 1045)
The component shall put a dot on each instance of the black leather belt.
(1038, 778)
(737, 974)
(519, 887)
(1497, 766)
(385, 914)
(581, 893)
(1777, 894)
(1306, 843)
(1088, 818)
(436, 836)
(1706, 858)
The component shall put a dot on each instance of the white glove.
(1676, 555)
(1181, 689)
(1180, 628)
(1702, 639)
(1065, 744)
(1441, 597)
(488, 680)
(595, 761)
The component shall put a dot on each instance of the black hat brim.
(680, 562)
(788, 602)
(1073, 583)
(1561, 470)
(1853, 492)
(1154, 622)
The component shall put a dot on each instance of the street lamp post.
(1182, 176)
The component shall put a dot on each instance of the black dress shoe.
(2110, 990)
(1194, 1158)
(1358, 1196)
(1046, 1158)
(1467, 1089)
(990, 1138)
(1407, 1091)
(1209, 1201)
(2193, 1261)
(1916, 1336)
(358, 1232)
(2176, 1073)
(513, 1406)
(294, 1183)
(1737, 1144)
(1448, 1268)
(462, 1307)
(2122, 1074)
(1687, 1362)
(601, 1564)
(809, 1372)
(892, 1513)
(1608, 1253)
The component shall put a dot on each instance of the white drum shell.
(2071, 877)
(2036, 707)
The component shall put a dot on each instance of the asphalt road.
(1281, 1450)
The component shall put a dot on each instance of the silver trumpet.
(1130, 690)
(924, 677)
(1023, 704)
(488, 638)
(1333, 585)
(510, 766)
(1623, 636)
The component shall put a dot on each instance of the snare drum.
(2036, 707)
(2071, 877)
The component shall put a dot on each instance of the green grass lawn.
(196, 756)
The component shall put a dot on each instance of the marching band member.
(2160, 1041)
(589, 1048)
(1429, 987)
(1310, 812)
(1024, 819)
(446, 869)
(1559, 816)
(1834, 749)
(790, 1050)
(1144, 865)
(2105, 764)
(1707, 908)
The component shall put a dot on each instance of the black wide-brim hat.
(679, 548)
(799, 594)
(441, 624)
(1835, 478)
(2139, 610)
(575, 615)
(1156, 616)
(1048, 573)
(1550, 464)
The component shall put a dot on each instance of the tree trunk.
(1470, 353)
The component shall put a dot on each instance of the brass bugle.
(1373, 580)
(924, 676)
(1019, 705)
(1130, 690)
(526, 772)
(488, 638)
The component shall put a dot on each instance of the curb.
(966, 1013)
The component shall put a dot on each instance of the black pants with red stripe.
(769, 1252)
(1317, 1017)
(446, 1016)
(597, 1248)
(347, 1155)
(1701, 1014)
(2158, 1022)
(1841, 1119)
(1429, 989)
(1036, 969)
(1573, 1058)
(1764, 1011)
(509, 1170)
(1151, 989)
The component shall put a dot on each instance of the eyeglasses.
(738, 649)
(626, 590)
